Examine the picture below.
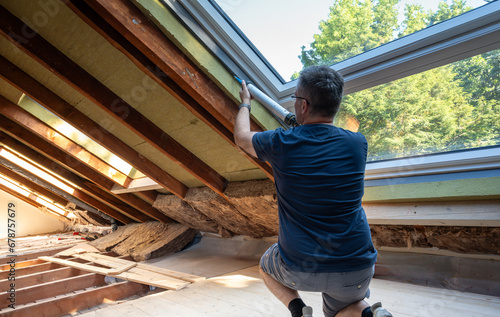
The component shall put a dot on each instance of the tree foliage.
(454, 106)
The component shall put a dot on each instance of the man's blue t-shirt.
(319, 176)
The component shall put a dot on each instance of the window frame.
(472, 33)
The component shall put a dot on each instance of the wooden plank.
(54, 288)
(47, 55)
(116, 261)
(77, 119)
(153, 53)
(157, 280)
(122, 268)
(72, 303)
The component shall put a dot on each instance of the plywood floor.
(234, 288)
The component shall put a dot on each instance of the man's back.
(319, 171)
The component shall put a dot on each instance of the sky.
(279, 28)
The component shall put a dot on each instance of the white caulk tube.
(286, 116)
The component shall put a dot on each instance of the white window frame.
(472, 33)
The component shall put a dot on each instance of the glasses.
(296, 97)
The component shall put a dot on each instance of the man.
(324, 242)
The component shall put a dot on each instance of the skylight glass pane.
(453, 107)
(292, 34)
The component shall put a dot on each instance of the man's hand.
(242, 134)
(245, 94)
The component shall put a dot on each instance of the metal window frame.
(472, 33)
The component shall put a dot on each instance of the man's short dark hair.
(323, 88)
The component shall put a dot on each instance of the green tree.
(352, 27)
(440, 109)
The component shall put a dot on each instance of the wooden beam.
(152, 52)
(24, 118)
(72, 303)
(7, 170)
(77, 197)
(44, 96)
(28, 137)
(17, 132)
(146, 211)
(57, 169)
(20, 196)
(47, 55)
(149, 196)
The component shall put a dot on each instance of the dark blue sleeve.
(262, 143)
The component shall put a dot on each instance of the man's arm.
(242, 134)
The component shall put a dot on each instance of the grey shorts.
(339, 290)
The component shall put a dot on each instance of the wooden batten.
(225, 213)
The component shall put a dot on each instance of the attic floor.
(234, 288)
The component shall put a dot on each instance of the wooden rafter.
(47, 55)
(148, 195)
(84, 124)
(78, 197)
(7, 170)
(16, 131)
(29, 122)
(24, 118)
(52, 166)
(14, 193)
(85, 186)
(130, 31)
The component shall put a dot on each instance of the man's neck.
(318, 121)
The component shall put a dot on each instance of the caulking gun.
(277, 110)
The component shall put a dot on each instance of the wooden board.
(122, 269)
(105, 260)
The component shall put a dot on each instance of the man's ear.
(304, 107)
